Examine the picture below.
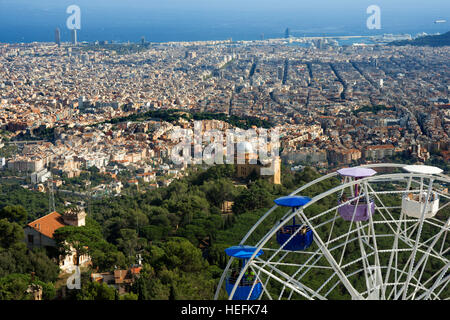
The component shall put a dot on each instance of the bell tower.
(75, 217)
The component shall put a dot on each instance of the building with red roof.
(39, 234)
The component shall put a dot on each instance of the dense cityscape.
(333, 106)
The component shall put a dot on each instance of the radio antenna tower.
(89, 199)
(51, 195)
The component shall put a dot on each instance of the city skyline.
(161, 21)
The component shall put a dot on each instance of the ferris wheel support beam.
(320, 257)
(425, 258)
(419, 233)
(306, 271)
(332, 227)
(446, 282)
(425, 243)
(390, 284)
(383, 206)
(397, 233)
(365, 261)
(355, 294)
(281, 258)
(301, 286)
(437, 283)
(403, 272)
(263, 286)
(281, 281)
(378, 277)
(348, 233)
(443, 241)
(394, 254)
(436, 274)
(222, 278)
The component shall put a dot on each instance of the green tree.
(14, 287)
(129, 242)
(78, 238)
(218, 191)
(16, 214)
(10, 233)
(19, 259)
(129, 296)
(96, 291)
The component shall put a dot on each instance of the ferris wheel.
(378, 233)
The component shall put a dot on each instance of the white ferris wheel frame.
(374, 280)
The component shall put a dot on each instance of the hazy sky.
(189, 18)
(397, 5)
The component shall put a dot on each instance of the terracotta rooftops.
(48, 224)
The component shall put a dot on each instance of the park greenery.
(373, 109)
(172, 115)
(180, 231)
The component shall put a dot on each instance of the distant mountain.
(432, 41)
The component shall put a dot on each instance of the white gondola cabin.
(414, 204)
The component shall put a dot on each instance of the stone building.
(39, 234)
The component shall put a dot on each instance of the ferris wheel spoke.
(425, 258)
(445, 284)
(222, 278)
(257, 278)
(383, 207)
(301, 286)
(325, 283)
(365, 238)
(348, 233)
(413, 228)
(365, 261)
(332, 262)
(442, 251)
(334, 219)
(445, 205)
(267, 280)
(440, 280)
(394, 255)
(436, 275)
(419, 232)
(287, 284)
(306, 271)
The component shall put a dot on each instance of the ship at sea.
(440, 21)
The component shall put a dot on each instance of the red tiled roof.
(136, 270)
(388, 146)
(48, 224)
(146, 174)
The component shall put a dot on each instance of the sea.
(24, 21)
